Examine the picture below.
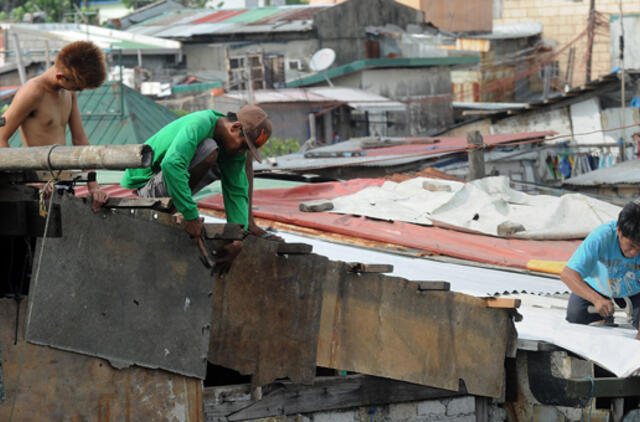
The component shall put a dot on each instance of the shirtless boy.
(46, 104)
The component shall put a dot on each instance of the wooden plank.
(42, 383)
(357, 267)
(502, 302)
(325, 394)
(377, 325)
(603, 387)
(424, 286)
(163, 204)
(294, 248)
(266, 313)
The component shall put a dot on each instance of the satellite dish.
(322, 59)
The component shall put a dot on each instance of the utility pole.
(623, 104)
(591, 24)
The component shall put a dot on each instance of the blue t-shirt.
(601, 264)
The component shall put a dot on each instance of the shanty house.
(424, 84)
(319, 113)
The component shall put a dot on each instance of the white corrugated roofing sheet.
(625, 173)
(360, 99)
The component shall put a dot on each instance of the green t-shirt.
(173, 148)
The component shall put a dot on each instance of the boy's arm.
(26, 100)
(79, 138)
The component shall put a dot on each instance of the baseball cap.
(256, 126)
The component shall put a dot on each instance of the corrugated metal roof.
(255, 14)
(109, 121)
(625, 173)
(512, 30)
(295, 14)
(383, 63)
(104, 38)
(389, 156)
(355, 98)
(219, 16)
(204, 21)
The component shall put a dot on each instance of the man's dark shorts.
(156, 188)
(577, 310)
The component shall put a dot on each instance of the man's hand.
(99, 196)
(604, 307)
(258, 231)
(194, 228)
(226, 255)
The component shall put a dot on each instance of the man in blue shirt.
(606, 268)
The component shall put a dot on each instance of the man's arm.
(577, 285)
(253, 227)
(79, 138)
(26, 100)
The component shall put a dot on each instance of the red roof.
(219, 16)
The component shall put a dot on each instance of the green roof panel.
(383, 63)
(255, 14)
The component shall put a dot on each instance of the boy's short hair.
(629, 221)
(85, 63)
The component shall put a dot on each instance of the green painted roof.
(254, 14)
(109, 121)
(196, 87)
(383, 63)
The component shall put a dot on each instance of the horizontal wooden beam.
(357, 267)
(325, 394)
(603, 387)
(502, 302)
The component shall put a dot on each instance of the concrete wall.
(632, 39)
(557, 120)
(342, 27)
(563, 20)
(455, 15)
(426, 91)
(211, 57)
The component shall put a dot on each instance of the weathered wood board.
(45, 384)
(386, 326)
(266, 313)
(123, 286)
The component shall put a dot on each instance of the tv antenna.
(321, 61)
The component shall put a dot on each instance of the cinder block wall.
(459, 409)
(562, 21)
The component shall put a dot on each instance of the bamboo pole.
(58, 157)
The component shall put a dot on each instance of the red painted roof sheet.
(219, 16)
(283, 205)
(297, 14)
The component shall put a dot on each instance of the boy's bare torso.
(47, 123)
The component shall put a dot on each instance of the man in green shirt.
(193, 151)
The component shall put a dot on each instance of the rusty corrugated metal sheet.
(218, 16)
(298, 13)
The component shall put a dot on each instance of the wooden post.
(476, 155)
(47, 54)
(21, 71)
